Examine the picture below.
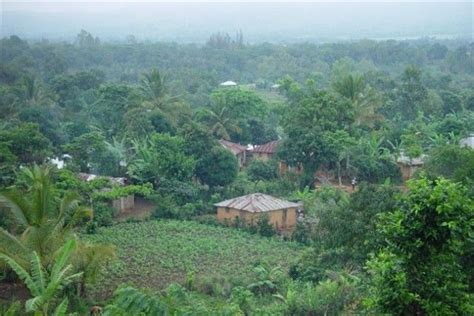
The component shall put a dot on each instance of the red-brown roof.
(268, 148)
(235, 148)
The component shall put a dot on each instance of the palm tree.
(39, 215)
(154, 89)
(119, 151)
(46, 285)
(364, 99)
(33, 93)
(44, 222)
(218, 119)
(350, 86)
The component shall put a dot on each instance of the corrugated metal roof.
(235, 148)
(268, 148)
(256, 203)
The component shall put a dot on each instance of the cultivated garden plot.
(156, 253)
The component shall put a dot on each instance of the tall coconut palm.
(154, 89)
(217, 117)
(350, 86)
(365, 100)
(33, 93)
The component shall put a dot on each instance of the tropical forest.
(235, 176)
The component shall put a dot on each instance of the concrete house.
(282, 214)
(408, 166)
(120, 204)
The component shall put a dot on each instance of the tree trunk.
(339, 172)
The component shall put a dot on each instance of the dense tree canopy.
(153, 113)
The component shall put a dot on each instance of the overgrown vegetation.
(75, 119)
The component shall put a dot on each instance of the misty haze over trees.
(236, 159)
(260, 22)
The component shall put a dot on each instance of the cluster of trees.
(342, 110)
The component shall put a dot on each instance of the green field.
(156, 253)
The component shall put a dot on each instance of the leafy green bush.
(117, 192)
(264, 228)
(329, 297)
(418, 269)
(452, 162)
(268, 280)
(260, 170)
(103, 214)
(243, 298)
(340, 228)
(375, 170)
(216, 285)
(217, 168)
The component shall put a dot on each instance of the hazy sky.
(274, 21)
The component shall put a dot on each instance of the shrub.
(264, 228)
(243, 298)
(215, 285)
(375, 170)
(260, 170)
(333, 296)
(166, 207)
(426, 235)
(103, 214)
(302, 233)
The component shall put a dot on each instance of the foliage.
(350, 110)
(43, 223)
(452, 162)
(229, 111)
(341, 229)
(46, 285)
(262, 170)
(310, 124)
(268, 280)
(329, 297)
(161, 156)
(26, 143)
(218, 167)
(88, 151)
(117, 192)
(264, 227)
(163, 251)
(424, 236)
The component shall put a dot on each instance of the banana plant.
(46, 286)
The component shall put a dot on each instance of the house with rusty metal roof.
(265, 151)
(268, 151)
(239, 151)
(281, 214)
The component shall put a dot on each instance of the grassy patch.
(154, 254)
